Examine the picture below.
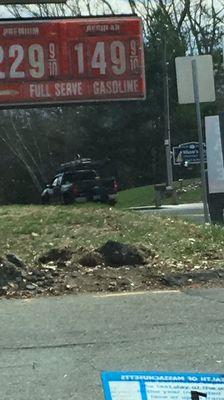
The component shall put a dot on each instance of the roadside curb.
(168, 207)
(145, 208)
(198, 277)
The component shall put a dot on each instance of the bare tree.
(108, 5)
(205, 24)
(17, 146)
(71, 8)
(199, 22)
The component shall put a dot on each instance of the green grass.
(29, 231)
(139, 196)
(144, 195)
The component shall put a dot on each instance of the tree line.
(34, 142)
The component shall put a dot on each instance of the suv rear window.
(79, 176)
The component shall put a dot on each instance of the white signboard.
(162, 386)
(214, 155)
(185, 79)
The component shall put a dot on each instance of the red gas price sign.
(71, 60)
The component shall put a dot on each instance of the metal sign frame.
(33, 2)
(185, 145)
(71, 60)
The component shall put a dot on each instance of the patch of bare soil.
(115, 267)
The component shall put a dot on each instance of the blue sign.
(162, 386)
(187, 153)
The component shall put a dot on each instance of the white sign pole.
(200, 139)
(195, 84)
(215, 160)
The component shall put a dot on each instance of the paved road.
(193, 211)
(55, 348)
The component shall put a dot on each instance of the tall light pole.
(167, 141)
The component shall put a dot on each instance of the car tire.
(66, 199)
(112, 203)
(45, 200)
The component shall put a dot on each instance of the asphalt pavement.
(55, 348)
(192, 211)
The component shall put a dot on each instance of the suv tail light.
(75, 189)
(116, 186)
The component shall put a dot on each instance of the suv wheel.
(66, 199)
(45, 200)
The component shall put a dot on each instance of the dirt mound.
(117, 254)
(58, 255)
(92, 259)
(10, 275)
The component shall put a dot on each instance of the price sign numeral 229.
(197, 395)
(16, 54)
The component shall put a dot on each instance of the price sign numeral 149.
(116, 58)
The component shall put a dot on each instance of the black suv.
(79, 185)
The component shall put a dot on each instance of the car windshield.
(111, 199)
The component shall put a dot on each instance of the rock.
(34, 234)
(33, 279)
(58, 255)
(13, 285)
(38, 273)
(112, 286)
(68, 287)
(55, 273)
(29, 278)
(74, 274)
(50, 267)
(117, 254)
(91, 259)
(30, 286)
(23, 274)
(8, 272)
(22, 284)
(3, 291)
(174, 280)
(16, 260)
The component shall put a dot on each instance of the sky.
(120, 6)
